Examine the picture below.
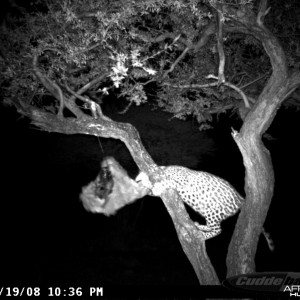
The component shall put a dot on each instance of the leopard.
(212, 197)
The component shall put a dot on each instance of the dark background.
(47, 236)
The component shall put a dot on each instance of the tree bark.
(191, 239)
(259, 185)
(103, 127)
(259, 179)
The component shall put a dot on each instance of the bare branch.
(209, 30)
(54, 89)
(149, 39)
(89, 85)
(221, 75)
(94, 107)
(253, 81)
(50, 85)
(198, 86)
(124, 111)
(244, 97)
(246, 102)
(180, 57)
(86, 100)
(163, 50)
(103, 127)
(190, 86)
(262, 12)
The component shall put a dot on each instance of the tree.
(77, 52)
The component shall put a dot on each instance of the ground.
(48, 236)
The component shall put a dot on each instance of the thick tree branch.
(101, 127)
(189, 236)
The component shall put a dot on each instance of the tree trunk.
(259, 179)
(259, 185)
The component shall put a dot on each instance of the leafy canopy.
(150, 50)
